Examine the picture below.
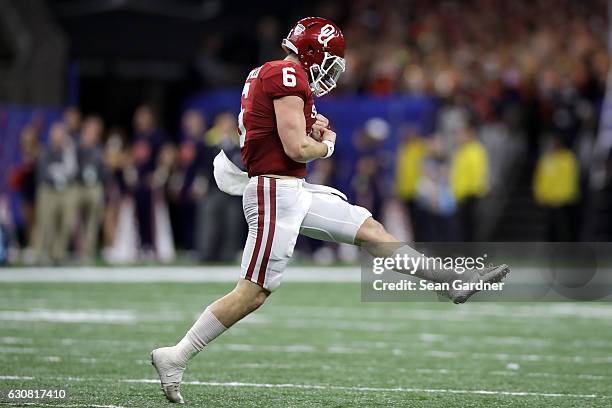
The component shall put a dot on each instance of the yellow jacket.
(408, 170)
(555, 182)
(469, 174)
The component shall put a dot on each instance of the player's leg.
(274, 210)
(218, 317)
(332, 219)
(170, 362)
(378, 242)
(240, 302)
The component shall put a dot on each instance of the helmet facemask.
(324, 78)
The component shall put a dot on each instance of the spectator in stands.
(55, 196)
(223, 225)
(469, 180)
(369, 183)
(434, 196)
(72, 119)
(411, 153)
(188, 183)
(556, 190)
(23, 181)
(120, 173)
(91, 179)
(163, 241)
(146, 142)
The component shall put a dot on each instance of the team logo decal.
(299, 29)
(327, 33)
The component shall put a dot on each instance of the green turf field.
(311, 345)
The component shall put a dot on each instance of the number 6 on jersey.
(289, 76)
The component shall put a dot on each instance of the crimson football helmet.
(319, 45)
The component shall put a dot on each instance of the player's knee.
(372, 231)
(254, 300)
(258, 300)
(250, 296)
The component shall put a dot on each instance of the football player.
(281, 131)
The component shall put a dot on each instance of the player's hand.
(321, 123)
(328, 134)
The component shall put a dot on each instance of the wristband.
(330, 147)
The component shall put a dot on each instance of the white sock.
(203, 331)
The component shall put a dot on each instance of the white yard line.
(205, 273)
(171, 274)
(15, 377)
(69, 316)
(236, 384)
(375, 389)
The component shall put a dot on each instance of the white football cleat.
(170, 373)
(487, 275)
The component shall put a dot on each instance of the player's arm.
(291, 125)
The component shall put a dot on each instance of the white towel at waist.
(231, 180)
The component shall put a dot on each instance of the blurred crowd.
(484, 48)
(89, 191)
(531, 73)
(518, 88)
(143, 195)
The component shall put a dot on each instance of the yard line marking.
(176, 274)
(14, 377)
(70, 316)
(374, 389)
(147, 274)
(320, 387)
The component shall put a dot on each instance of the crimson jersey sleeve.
(285, 80)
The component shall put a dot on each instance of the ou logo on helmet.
(328, 32)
